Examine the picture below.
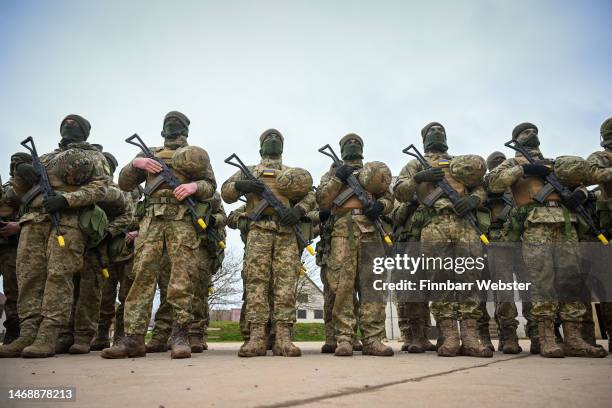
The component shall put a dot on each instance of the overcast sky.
(315, 70)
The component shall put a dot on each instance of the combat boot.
(195, 342)
(328, 347)
(548, 345)
(179, 343)
(256, 345)
(44, 344)
(100, 343)
(575, 346)
(470, 341)
(15, 348)
(508, 340)
(448, 343)
(344, 349)
(283, 345)
(12, 330)
(534, 347)
(357, 345)
(127, 346)
(377, 348)
(156, 345)
(587, 330)
(485, 336)
(80, 346)
(424, 339)
(63, 343)
(407, 335)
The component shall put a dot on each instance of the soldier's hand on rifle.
(343, 172)
(28, 173)
(578, 197)
(55, 203)
(431, 174)
(249, 186)
(130, 237)
(537, 170)
(185, 190)
(324, 215)
(290, 216)
(9, 229)
(466, 204)
(146, 164)
(374, 210)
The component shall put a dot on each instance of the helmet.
(375, 177)
(74, 166)
(294, 183)
(191, 160)
(469, 169)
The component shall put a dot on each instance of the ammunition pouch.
(93, 223)
(420, 219)
(483, 217)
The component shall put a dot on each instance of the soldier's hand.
(185, 190)
(249, 186)
(130, 237)
(290, 216)
(374, 210)
(212, 221)
(537, 170)
(466, 204)
(324, 215)
(146, 164)
(9, 229)
(55, 204)
(578, 197)
(431, 174)
(343, 172)
(28, 173)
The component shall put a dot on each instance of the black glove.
(466, 204)
(28, 173)
(343, 172)
(324, 215)
(211, 221)
(578, 197)
(537, 170)
(249, 186)
(290, 216)
(431, 174)
(55, 204)
(374, 210)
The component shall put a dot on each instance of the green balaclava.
(271, 143)
(530, 140)
(17, 159)
(495, 159)
(351, 151)
(175, 124)
(74, 129)
(434, 139)
(606, 134)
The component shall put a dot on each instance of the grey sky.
(313, 69)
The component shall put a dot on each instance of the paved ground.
(218, 378)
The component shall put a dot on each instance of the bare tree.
(227, 283)
(303, 289)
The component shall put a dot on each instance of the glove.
(374, 210)
(55, 204)
(343, 172)
(28, 173)
(466, 204)
(249, 186)
(290, 216)
(211, 221)
(538, 170)
(578, 197)
(324, 215)
(431, 174)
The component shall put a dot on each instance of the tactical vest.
(268, 176)
(164, 189)
(57, 184)
(424, 189)
(352, 203)
(526, 188)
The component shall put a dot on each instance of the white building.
(309, 301)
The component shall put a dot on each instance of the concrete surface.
(218, 378)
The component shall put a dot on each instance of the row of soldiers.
(173, 239)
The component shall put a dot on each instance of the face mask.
(174, 143)
(352, 151)
(435, 140)
(173, 129)
(71, 134)
(272, 146)
(529, 141)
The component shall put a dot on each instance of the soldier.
(271, 257)
(9, 237)
(351, 228)
(542, 226)
(167, 229)
(445, 229)
(44, 268)
(600, 172)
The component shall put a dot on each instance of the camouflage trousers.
(412, 313)
(159, 237)
(329, 298)
(44, 274)
(550, 267)
(120, 274)
(271, 267)
(449, 235)
(342, 275)
(8, 270)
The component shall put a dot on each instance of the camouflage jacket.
(600, 171)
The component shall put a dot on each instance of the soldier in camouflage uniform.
(442, 228)
(9, 237)
(543, 227)
(167, 229)
(271, 257)
(351, 228)
(600, 169)
(44, 268)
